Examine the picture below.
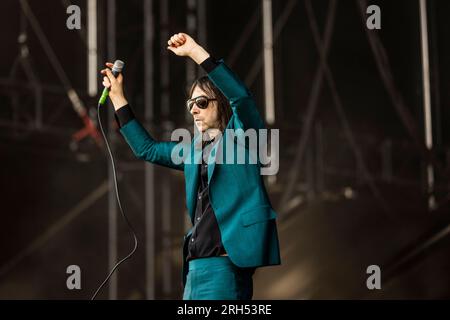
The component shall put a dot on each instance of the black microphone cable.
(120, 207)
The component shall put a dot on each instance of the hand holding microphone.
(113, 82)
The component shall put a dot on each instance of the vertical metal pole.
(436, 97)
(149, 169)
(92, 47)
(112, 202)
(191, 27)
(268, 62)
(167, 127)
(191, 21)
(201, 25)
(427, 100)
(164, 56)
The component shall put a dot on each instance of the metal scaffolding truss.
(196, 26)
(22, 119)
(322, 72)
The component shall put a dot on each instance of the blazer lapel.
(212, 160)
(191, 175)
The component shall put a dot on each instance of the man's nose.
(195, 109)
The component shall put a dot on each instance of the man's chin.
(201, 128)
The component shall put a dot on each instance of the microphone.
(116, 69)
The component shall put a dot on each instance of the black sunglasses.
(201, 102)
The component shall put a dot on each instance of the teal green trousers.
(217, 278)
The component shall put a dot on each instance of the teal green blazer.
(237, 193)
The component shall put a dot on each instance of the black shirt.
(205, 240)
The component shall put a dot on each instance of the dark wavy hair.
(223, 105)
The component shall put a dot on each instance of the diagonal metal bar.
(397, 99)
(311, 107)
(46, 45)
(384, 69)
(342, 117)
(245, 36)
(67, 218)
(407, 259)
(413, 253)
(77, 103)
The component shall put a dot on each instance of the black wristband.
(209, 64)
(124, 115)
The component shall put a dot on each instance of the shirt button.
(198, 218)
(192, 239)
(199, 197)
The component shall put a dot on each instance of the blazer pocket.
(258, 214)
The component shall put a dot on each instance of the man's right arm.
(142, 143)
